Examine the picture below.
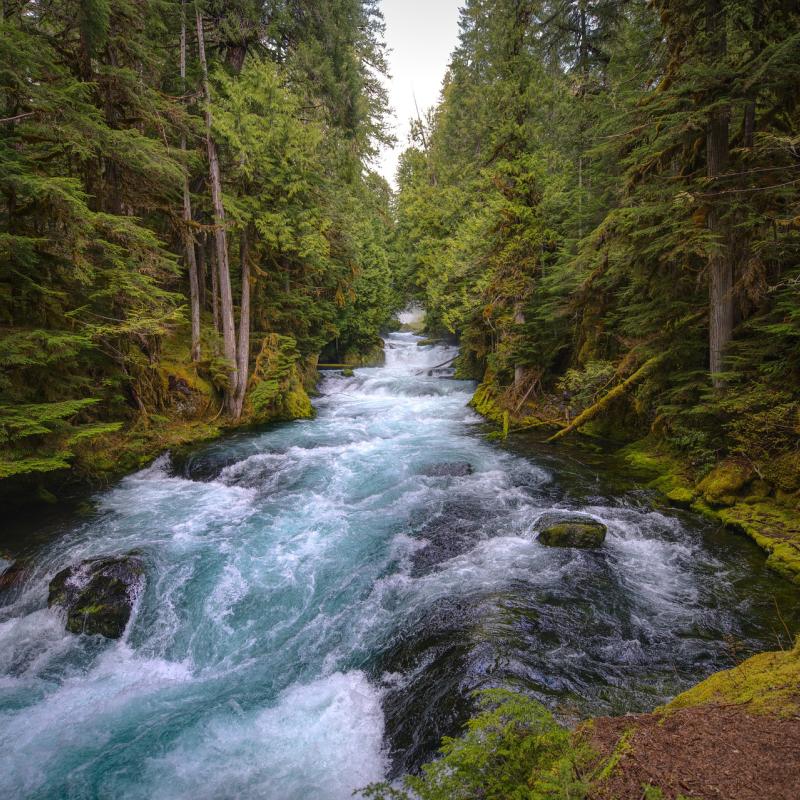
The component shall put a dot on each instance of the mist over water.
(322, 597)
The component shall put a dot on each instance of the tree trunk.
(188, 238)
(243, 354)
(519, 370)
(220, 237)
(720, 266)
(202, 269)
(215, 290)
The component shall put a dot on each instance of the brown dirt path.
(713, 752)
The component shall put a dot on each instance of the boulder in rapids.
(448, 469)
(583, 533)
(12, 574)
(98, 594)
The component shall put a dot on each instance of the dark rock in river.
(448, 469)
(12, 575)
(573, 534)
(98, 594)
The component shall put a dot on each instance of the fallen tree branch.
(593, 410)
(443, 364)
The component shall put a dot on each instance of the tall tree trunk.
(188, 238)
(215, 290)
(243, 354)
(720, 267)
(202, 269)
(519, 370)
(220, 237)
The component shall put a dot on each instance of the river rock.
(448, 469)
(98, 594)
(574, 533)
(11, 574)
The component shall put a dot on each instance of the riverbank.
(181, 409)
(733, 736)
(762, 503)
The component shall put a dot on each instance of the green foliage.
(99, 132)
(513, 749)
(555, 211)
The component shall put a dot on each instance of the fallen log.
(436, 366)
(593, 410)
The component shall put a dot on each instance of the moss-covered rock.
(768, 683)
(681, 496)
(723, 484)
(347, 372)
(583, 534)
(98, 595)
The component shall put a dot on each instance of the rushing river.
(323, 596)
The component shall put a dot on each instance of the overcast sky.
(420, 35)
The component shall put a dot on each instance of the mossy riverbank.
(182, 407)
(762, 504)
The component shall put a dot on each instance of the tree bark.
(243, 353)
(188, 238)
(215, 291)
(220, 237)
(720, 266)
(519, 370)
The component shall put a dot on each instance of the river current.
(323, 596)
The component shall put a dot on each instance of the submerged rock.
(574, 533)
(98, 594)
(449, 469)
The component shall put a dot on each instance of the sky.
(420, 35)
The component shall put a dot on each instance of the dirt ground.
(710, 752)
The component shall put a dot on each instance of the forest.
(305, 440)
(188, 217)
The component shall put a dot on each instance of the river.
(322, 596)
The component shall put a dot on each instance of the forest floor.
(707, 752)
(734, 736)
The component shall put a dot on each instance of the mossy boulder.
(347, 372)
(724, 483)
(98, 594)
(681, 496)
(574, 533)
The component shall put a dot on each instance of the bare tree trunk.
(202, 269)
(519, 370)
(720, 267)
(223, 267)
(243, 354)
(188, 238)
(215, 291)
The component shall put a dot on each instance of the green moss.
(347, 372)
(722, 485)
(485, 402)
(768, 683)
(783, 471)
(681, 496)
(774, 528)
(573, 534)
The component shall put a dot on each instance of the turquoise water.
(321, 600)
